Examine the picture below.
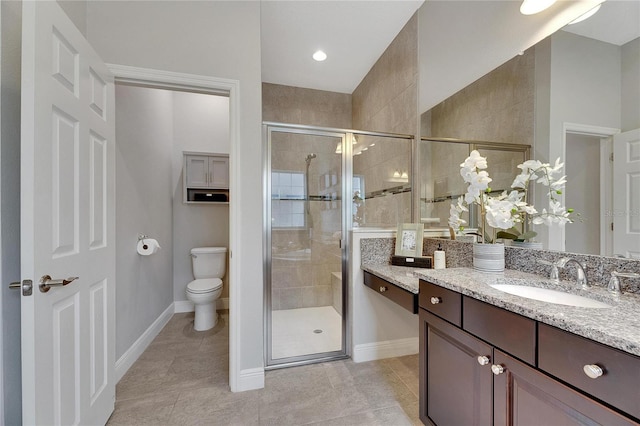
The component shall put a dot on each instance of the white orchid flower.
(499, 213)
(474, 161)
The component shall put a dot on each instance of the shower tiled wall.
(386, 101)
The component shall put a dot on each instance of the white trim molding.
(252, 378)
(221, 86)
(387, 349)
(124, 363)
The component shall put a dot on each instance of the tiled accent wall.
(460, 254)
(386, 101)
(498, 107)
(304, 260)
(297, 105)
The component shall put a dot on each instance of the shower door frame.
(347, 175)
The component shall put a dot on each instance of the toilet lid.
(204, 285)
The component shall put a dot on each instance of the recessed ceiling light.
(587, 15)
(319, 56)
(531, 7)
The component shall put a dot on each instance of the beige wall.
(386, 101)
(297, 105)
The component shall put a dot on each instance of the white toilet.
(209, 265)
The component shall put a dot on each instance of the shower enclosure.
(309, 172)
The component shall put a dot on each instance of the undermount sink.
(550, 296)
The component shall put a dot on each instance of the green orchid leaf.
(528, 235)
(506, 235)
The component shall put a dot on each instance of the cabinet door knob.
(483, 360)
(383, 289)
(435, 300)
(593, 371)
(497, 369)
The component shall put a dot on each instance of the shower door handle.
(340, 243)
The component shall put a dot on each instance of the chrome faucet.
(553, 275)
(614, 282)
(581, 277)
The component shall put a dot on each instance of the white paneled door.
(67, 223)
(626, 194)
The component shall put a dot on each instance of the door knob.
(497, 369)
(483, 360)
(26, 286)
(46, 282)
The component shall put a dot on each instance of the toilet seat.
(204, 285)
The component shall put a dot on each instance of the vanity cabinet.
(481, 368)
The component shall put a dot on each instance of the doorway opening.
(203, 85)
(589, 189)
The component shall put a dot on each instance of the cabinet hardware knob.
(483, 360)
(593, 371)
(435, 300)
(383, 289)
(497, 369)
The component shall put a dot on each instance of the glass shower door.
(305, 254)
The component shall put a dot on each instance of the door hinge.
(612, 226)
(611, 157)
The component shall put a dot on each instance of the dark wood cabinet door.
(455, 389)
(525, 396)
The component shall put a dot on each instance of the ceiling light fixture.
(587, 15)
(531, 7)
(319, 56)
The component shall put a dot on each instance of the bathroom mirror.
(566, 96)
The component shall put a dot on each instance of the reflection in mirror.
(441, 183)
(575, 96)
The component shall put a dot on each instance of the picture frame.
(409, 239)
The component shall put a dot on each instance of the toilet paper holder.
(142, 237)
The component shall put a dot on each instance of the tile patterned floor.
(182, 379)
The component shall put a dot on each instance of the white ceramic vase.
(488, 257)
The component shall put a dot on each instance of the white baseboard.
(252, 378)
(133, 353)
(186, 306)
(181, 306)
(387, 349)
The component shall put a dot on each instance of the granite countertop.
(618, 326)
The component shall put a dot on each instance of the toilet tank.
(209, 262)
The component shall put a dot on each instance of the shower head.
(309, 158)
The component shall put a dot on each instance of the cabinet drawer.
(442, 302)
(510, 332)
(402, 297)
(564, 355)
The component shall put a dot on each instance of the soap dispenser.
(439, 260)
